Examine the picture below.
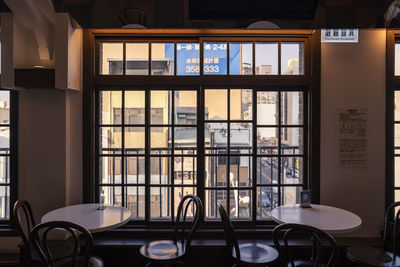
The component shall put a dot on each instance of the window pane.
(292, 58)
(188, 58)
(134, 140)
(4, 170)
(397, 105)
(185, 107)
(135, 196)
(110, 170)
(160, 140)
(290, 195)
(111, 195)
(292, 108)
(240, 207)
(134, 170)
(161, 106)
(4, 202)
(397, 171)
(179, 193)
(240, 58)
(216, 168)
(110, 107)
(267, 199)
(212, 197)
(111, 55)
(267, 140)
(185, 140)
(216, 104)
(134, 107)
(241, 138)
(267, 108)
(266, 58)
(267, 170)
(216, 140)
(292, 170)
(137, 59)
(240, 174)
(160, 169)
(4, 107)
(185, 170)
(160, 203)
(162, 58)
(292, 140)
(397, 59)
(241, 104)
(215, 56)
(397, 135)
(110, 140)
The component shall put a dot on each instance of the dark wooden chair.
(25, 223)
(283, 233)
(384, 256)
(176, 251)
(248, 254)
(80, 256)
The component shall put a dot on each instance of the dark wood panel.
(34, 78)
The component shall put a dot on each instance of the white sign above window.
(339, 35)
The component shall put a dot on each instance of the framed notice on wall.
(352, 137)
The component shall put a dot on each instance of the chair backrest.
(132, 15)
(386, 235)
(284, 232)
(231, 240)
(25, 222)
(181, 224)
(40, 234)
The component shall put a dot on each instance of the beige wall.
(353, 75)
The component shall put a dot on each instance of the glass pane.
(134, 140)
(240, 58)
(216, 104)
(292, 108)
(185, 140)
(135, 196)
(111, 195)
(188, 58)
(212, 197)
(4, 202)
(216, 137)
(134, 170)
(160, 203)
(397, 171)
(292, 140)
(160, 170)
(161, 105)
(397, 135)
(292, 170)
(4, 170)
(137, 59)
(110, 170)
(185, 107)
(267, 200)
(185, 170)
(266, 58)
(240, 204)
(110, 107)
(179, 193)
(292, 58)
(215, 58)
(241, 104)
(160, 140)
(110, 140)
(240, 174)
(4, 107)
(267, 170)
(267, 108)
(397, 105)
(267, 140)
(134, 107)
(111, 55)
(162, 58)
(241, 138)
(397, 59)
(290, 195)
(216, 168)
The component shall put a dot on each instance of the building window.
(168, 125)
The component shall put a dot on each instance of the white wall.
(354, 75)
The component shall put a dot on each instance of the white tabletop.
(330, 219)
(88, 216)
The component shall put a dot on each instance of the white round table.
(330, 219)
(89, 216)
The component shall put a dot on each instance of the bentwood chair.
(283, 233)
(165, 252)
(384, 256)
(25, 223)
(248, 254)
(80, 255)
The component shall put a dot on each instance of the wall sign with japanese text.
(339, 35)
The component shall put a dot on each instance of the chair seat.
(59, 249)
(372, 256)
(162, 250)
(256, 253)
(79, 262)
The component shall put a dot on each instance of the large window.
(223, 118)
